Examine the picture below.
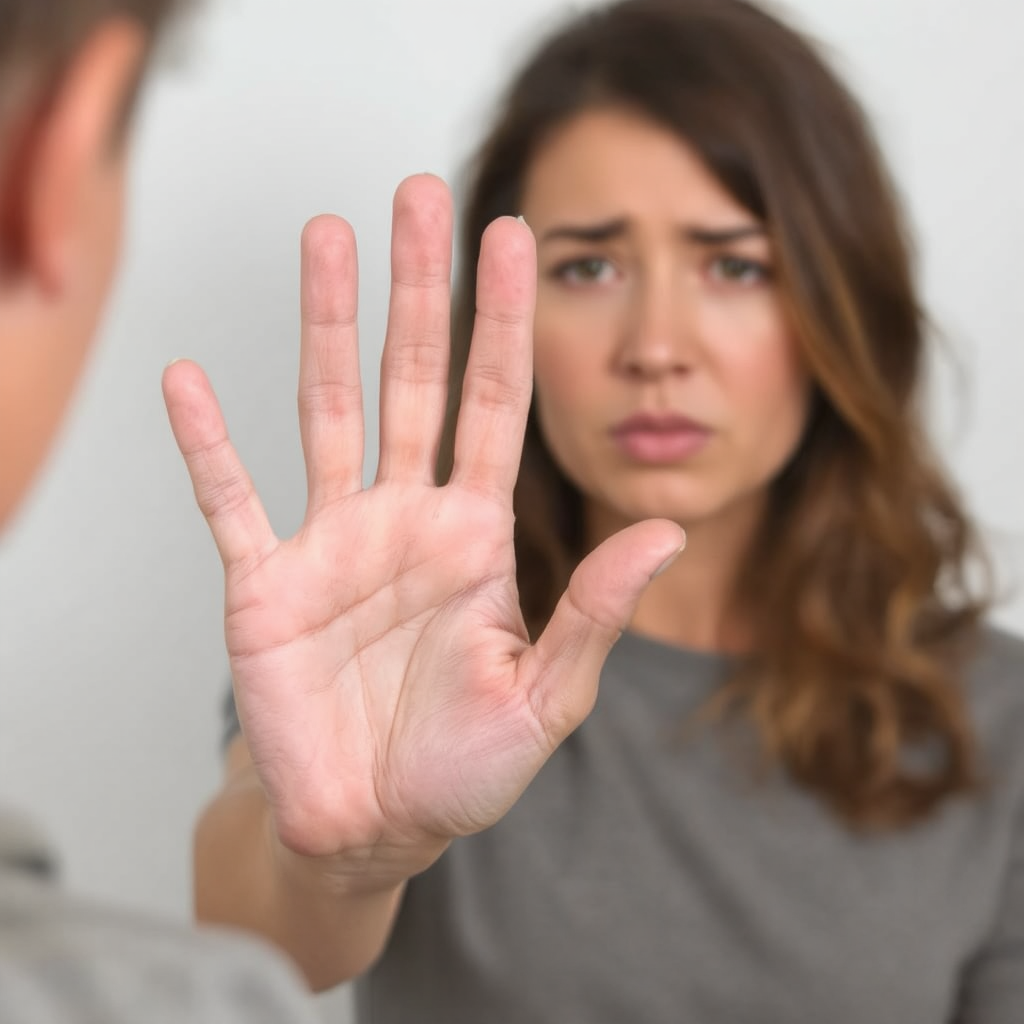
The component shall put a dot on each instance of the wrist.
(371, 870)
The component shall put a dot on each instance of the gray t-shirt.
(67, 961)
(649, 876)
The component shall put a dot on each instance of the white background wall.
(111, 655)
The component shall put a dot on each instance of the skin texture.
(388, 695)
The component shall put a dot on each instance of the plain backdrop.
(264, 114)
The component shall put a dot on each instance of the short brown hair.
(857, 590)
(38, 37)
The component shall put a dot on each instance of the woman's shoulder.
(996, 665)
(994, 689)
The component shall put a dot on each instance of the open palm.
(386, 688)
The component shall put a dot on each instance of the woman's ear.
(58, 150)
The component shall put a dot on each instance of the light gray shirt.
(67, 961)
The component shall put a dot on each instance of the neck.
(690, 604)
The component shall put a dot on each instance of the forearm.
(331, 918)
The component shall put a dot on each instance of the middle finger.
(414, 365)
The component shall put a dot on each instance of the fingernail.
(668, 561)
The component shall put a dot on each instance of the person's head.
(719, 242)
(69, 72)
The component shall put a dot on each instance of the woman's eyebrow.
(722, 236)
(606, 230)
(601, 232)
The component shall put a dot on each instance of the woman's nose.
(657, 333)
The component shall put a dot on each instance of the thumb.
(563, 667)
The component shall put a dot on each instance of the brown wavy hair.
(858, 589)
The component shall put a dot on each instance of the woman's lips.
(659, 439)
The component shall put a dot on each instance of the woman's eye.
(738, 270)
(590, 270)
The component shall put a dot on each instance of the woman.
(800, 794)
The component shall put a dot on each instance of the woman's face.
(668, 382)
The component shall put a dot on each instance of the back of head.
(39, 37)
(69, 74)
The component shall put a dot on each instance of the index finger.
(499, 375)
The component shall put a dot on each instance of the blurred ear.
(60, 146)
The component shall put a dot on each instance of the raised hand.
(386, 688)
